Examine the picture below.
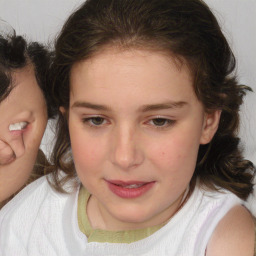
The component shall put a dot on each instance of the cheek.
(13, 180)
(87, 152)
(83, 152)
(34, 133)
(35, 130)
(175, 153)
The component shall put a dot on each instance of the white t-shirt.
(41, 221)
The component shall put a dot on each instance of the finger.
(17, 144)
(6, 153)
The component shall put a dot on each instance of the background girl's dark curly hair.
(186, 30)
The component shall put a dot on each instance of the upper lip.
(127, 183)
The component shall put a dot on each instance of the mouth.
(131, 189)
(18, 126)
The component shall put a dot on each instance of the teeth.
(134, 186)
(17, 126)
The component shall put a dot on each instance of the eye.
(94, 121)
(160, 122)
(97, 120)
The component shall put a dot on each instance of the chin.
(134, 218)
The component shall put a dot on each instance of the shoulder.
(219, 215)
(34, 218)
(28, 204)
(234, 234)
(29, 198)
(19, 214)
(35, 187)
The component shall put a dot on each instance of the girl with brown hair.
(147, 158)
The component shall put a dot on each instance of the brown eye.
(160, 121)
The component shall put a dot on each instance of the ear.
(62, 110)
(210, 126)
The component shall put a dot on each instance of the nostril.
(127, 157)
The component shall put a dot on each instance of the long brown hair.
(186, 29)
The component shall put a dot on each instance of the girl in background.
(24, 97)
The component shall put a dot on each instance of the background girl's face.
(135, 127)
(25, 103)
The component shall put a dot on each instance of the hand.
(6, 153)
(12, 148)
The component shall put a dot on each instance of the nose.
(126, 149)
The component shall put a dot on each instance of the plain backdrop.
(40, 20)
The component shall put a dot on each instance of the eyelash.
(89, 121)
(166, 122)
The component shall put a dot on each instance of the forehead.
(23, 81)
(129, 52)
(136, 70)
(25, 92)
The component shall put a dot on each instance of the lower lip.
(19, 132)
(130, 192)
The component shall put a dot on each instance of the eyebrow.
(82, 104)
(145, 108)
(161, 106)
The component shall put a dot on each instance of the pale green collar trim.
(105, 236)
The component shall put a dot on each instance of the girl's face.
(135, 127)
(24, 105)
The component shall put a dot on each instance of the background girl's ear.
(210, 126)
(62, 110)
